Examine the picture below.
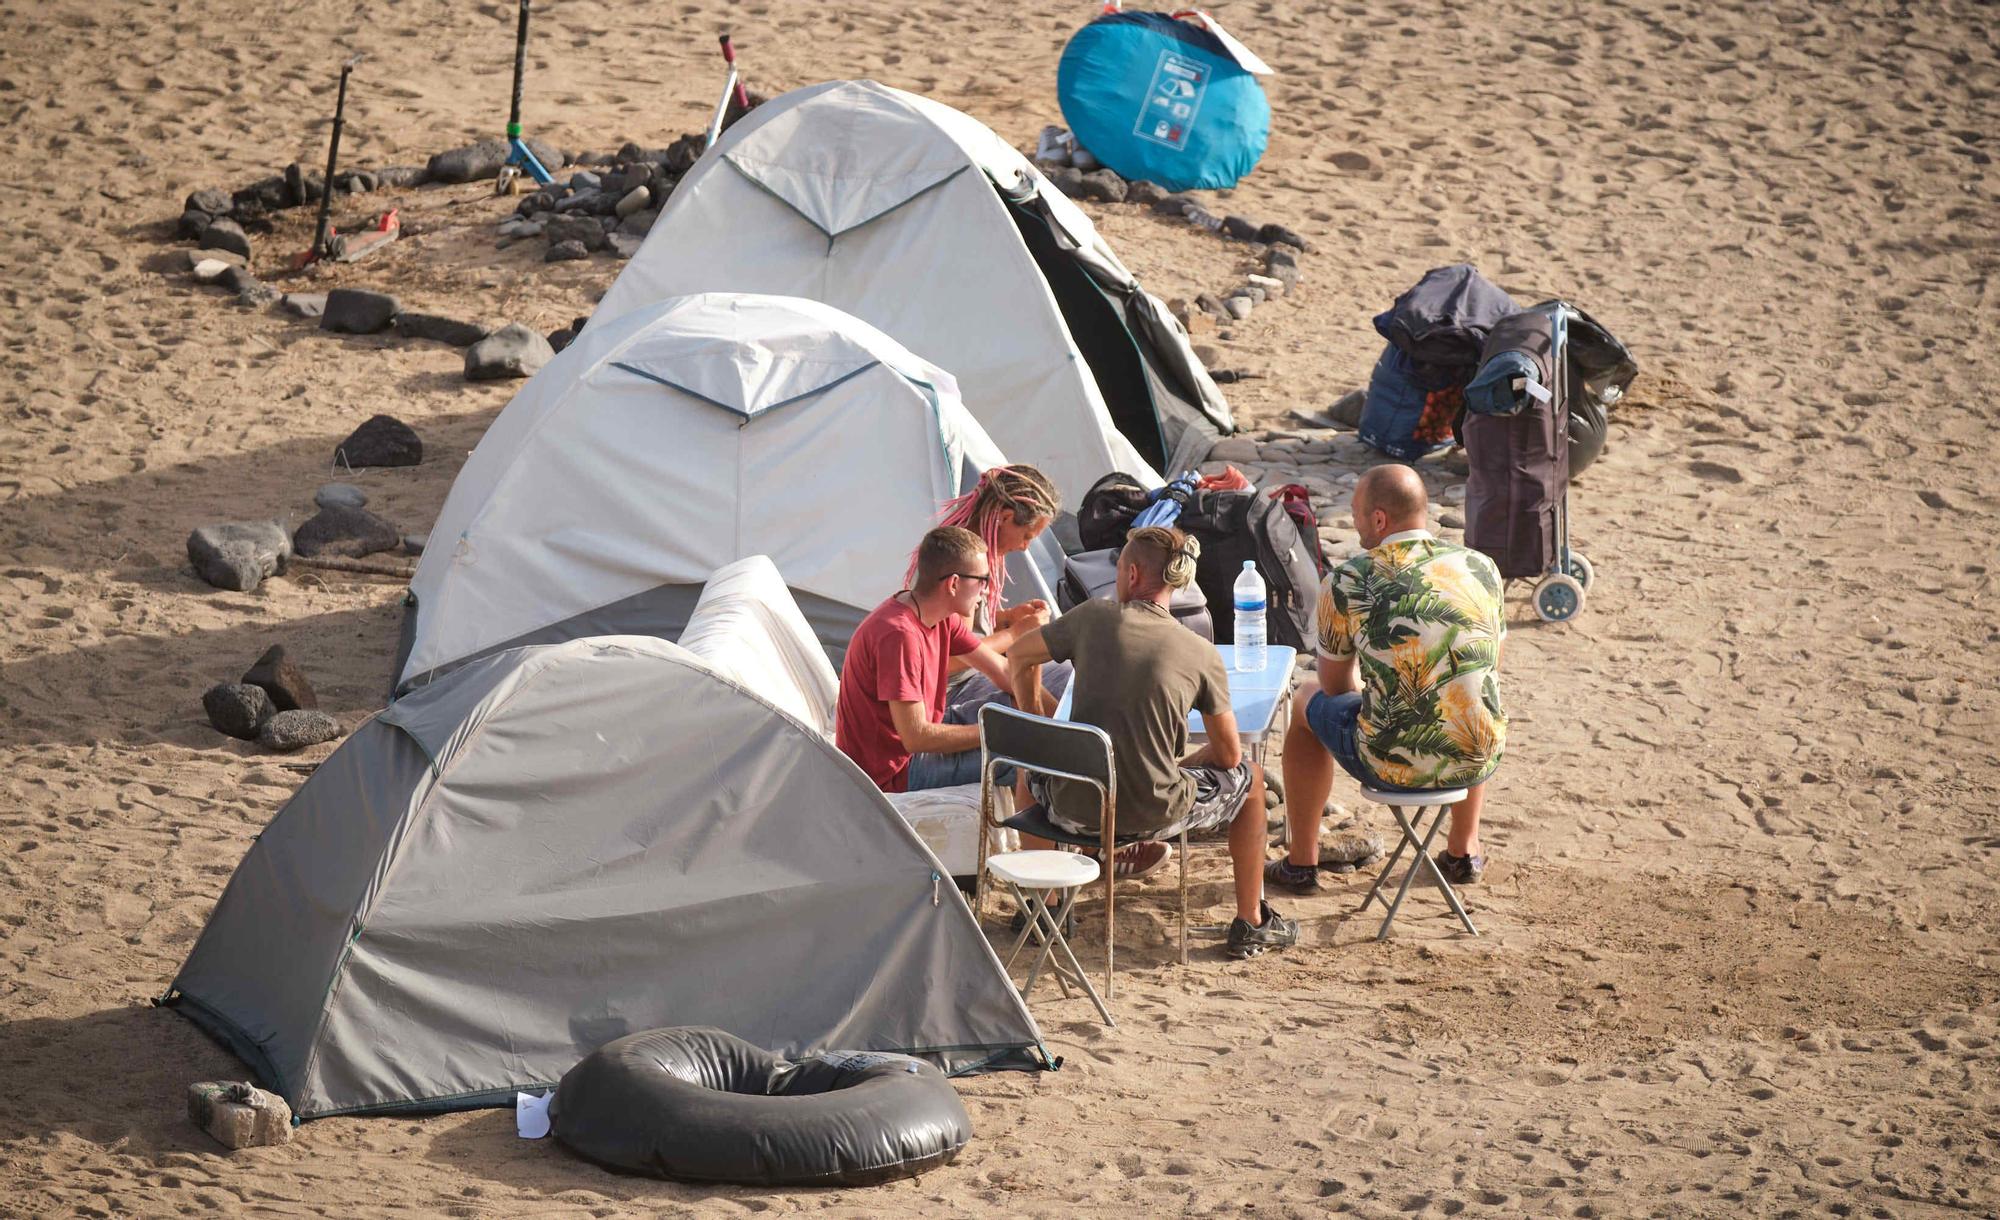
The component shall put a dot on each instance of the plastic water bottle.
(1249, 599)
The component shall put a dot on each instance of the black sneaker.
(1461, 870)
(1275, 932)
(1292, 878)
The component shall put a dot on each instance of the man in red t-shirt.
(892, 684)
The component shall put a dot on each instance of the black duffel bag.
(1108, 510)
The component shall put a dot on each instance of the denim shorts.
(1335, 720)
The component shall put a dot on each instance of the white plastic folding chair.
(1437, 804)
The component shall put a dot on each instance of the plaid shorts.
(1218, 797)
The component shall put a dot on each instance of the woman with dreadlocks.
(1008, 508)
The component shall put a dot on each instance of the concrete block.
(239, 1115)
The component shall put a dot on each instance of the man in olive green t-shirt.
(1138, 673)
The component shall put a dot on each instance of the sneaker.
(1461, 870)
(1275, 932)
(1292, 878)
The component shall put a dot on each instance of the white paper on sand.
(1245, 58)
(531, 1114)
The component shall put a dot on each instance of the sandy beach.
(1740, 922)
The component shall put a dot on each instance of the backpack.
(1108, 510)
(1234, 526)
(1299, 507)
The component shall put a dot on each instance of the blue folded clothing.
(1492, 391)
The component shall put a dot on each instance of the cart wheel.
(1558, 598)
(1579, 567)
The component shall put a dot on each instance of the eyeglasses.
(984, 580)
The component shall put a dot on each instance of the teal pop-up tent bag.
(1170, 99)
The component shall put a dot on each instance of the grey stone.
(397, 176)
(254, 294)
(1450, 520)
(1239, 228)
(239, 555)
(1067, 180)
(192, 224)
(640, 223)
(210, 270)
(383, 440)
(1343, 853)
(1104, 186)
(635, 200)
(512, 351)
(589, 203)
(1238, 307)
(1210, 306)
(1083, 159)
(302, 186)
(1148, 193)
(1250, 291)
(304, 304)
(357, 311)
(347, 533)
(340, 495)
(264, 195)
(1174, 205)
(625, 245)
(235, 279)
(585, 180)
(1234, 449)
(1280, 256)
(238, 709)
(438, 328)
(195, 258)
(684, 152)
(295, 730)
(484, 159)
(357, 182)
(566, 252)
(1273, 233)
(584, 230)
(210, 200)
(414, 544)
(282, 679)
(239, 1115)
(225, 235)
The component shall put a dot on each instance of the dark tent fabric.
(1158, 395)
(557, 846)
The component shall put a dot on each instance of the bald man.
(1408, 696)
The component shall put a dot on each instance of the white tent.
(553, 847)
(747, 629)
(669, 443)
(919, 220)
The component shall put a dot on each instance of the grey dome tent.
(558, 845)
(919, 220)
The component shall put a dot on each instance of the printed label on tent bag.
(1173, 100)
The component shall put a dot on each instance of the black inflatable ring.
(701, 1105)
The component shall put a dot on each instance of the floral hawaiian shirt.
(1426, 619)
